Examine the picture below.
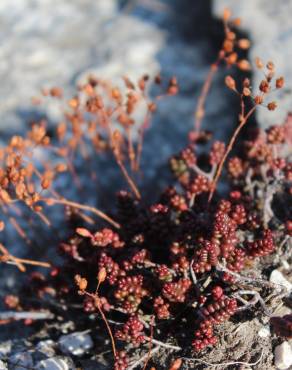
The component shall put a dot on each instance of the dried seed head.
(101, 275)
(45, 183)
(116, 94)
(264, 86)
(236, 22)
(272, 105)
(2, 226)
(56, 92)
(74, 103)
(270, 66)
(81, 282)
(226, 14)
(231, 36)
(246, 82)
(228, 46)
(243, 65)
(83, 232)
(230, 83)
(231, 58)
(259, 63)
(258, 99)
(280, 82)
(61, 167)
(246, 91)
(243, 44)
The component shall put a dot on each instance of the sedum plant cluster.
(170, 273)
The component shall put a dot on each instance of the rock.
(264, 332)
(76, 344)
(283, 356)
(21, 360)
(55, 363)
(3, 366)
(5, 348)
(268, 24)
(46, 347)
(277, 277)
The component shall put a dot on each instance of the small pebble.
(46, 347)
(283, 356)
(55, 363)
(5, 349)
(76, 344)
(277, 277)
(264, 332)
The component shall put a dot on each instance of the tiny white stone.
(278, 278)
(46, 347)
(283, 356)
(53, 363)
(264, 332)
(75, 344)
(285, 264)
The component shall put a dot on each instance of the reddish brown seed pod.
(244, 65)
(83, 232)
(280, 82)
(230, 83)
(243, 44)
(101, 275)
(272, 105)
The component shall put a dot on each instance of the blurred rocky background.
(44, 43)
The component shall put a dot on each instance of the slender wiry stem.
(150, 344)
(225, 363)
(94, 210)
(228, 150)
(30, 262)
(108, 328)
(162, 344)
(95, 297)
(252, 281)
(143, 358)
(128, 178)
(257, 298)
(200, 110)
(8, 257)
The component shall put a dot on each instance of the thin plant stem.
(150, 344)
(200, 110)
(228, 150)
(225, 363)
(83, 207)
(143, 358)
(128, 178)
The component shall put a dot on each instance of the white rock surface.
(55, 363)
(277, 277)
(264, 332)
(3, 365)
(46, 347)
(76, 344)
(283, 356)
(268, 23)
(5, 349)
(51, 42)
